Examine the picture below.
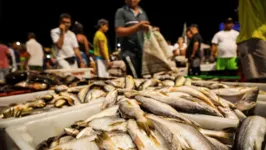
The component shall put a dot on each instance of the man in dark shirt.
(193, 51)
(130, 22)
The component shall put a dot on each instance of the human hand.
(156, 29)
(62, 27)
(109, 64)
(144, 25)
(82, 65)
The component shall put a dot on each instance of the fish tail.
(138, 142)
(147, 126)
(153, 138)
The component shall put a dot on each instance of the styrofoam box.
(208, 67)
(27, 136)
(80, 73)
(261, 86)
(5, 101)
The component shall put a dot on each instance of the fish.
(131, 109)
(240, 114)
(180, 81)
(65, 139)
(83, 93)
(217, 144)
(88, 131)
(118, 82)
(141, 139)
(227, 137)
(161, 109)
(105, 143)
(109, 88)
(111, 111)
(130, 84)
(188, 82)
(250, 134)
(73, 97)
(94, 94)
(109, 123)
(187, 136)
(60, 88)
(193, 92)
(248, 101)
(138, 82)
(122, 140)
(149, 83)
(183, 105)
(86, 143)
(110, 99)
(228, 112)
(168, 83)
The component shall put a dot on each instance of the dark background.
(17, 17)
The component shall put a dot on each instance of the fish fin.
(116, 123)
(138, 142)
(153, 138)
(101, 138)
(147, 126)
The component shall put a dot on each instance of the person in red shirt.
(4, 57)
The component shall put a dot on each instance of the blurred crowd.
(72, 49)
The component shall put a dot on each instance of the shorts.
(252, 54)
(102, 71)
(63, 64)
(226, 63)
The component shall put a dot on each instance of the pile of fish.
(162, 113)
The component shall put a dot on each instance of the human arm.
(77, 51)
(121, 30)
(184, 50)
(58, 37)
(87, 48)
(214, 46)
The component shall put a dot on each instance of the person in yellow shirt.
(101, 51)
(252, 39)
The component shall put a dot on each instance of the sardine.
(112, 111)
(110, 99)
(180, 81)
(160, 108)
(131, 109)
(193, 92)
(130, 85)
(141, 139)
(108, 124)
(251, 133)
(187, 136)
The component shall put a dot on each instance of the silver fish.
(110, 123)
(250, 134)
(94, 94)
(160, 108)
(187, 136)
(141, 139)
(248, 101)
(112, 111)
(131, 109)
(110, 99)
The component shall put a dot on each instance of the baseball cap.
(228, 20)
(101, 22)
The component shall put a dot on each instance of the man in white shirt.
(35, 50)
(225, 42)
(66, 44)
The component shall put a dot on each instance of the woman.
(82, 41)
(180, 47)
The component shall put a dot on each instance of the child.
(101, 49)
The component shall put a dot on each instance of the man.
(66, 44)
(193, 51)
(252, 39)
(101, 51)
(225, 42)
(4, 56)
(130, 21)
(35, 50)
